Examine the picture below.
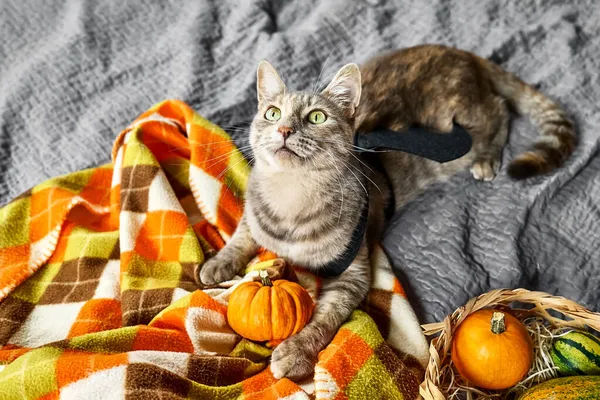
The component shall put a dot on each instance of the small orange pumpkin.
(492, 349)
(268, 310)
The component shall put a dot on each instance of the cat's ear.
(345, 88)
(268, 82)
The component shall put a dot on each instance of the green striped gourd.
(577, 353)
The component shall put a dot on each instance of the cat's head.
(303, 130)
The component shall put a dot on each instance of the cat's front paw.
(294, 358)
(219, 269)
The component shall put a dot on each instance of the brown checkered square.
(404, 376)
(378, 305)
(115, 254)
(217, 371)
(135, 186)
(76, 281)
(179, 190)
(140, 306)
(187, 280)
(411, 363)
(147, 381)
(13, 312)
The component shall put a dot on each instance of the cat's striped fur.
(304, 200)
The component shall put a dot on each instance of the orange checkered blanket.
(98, 298)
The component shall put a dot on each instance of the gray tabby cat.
(309, 187)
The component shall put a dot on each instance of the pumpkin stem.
(264, 277)
(498, 324)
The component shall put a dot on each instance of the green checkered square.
(33, 288)
(373, 378)
(236, 177)
(83, 242)
(32, 375)
(363, 325)
(14, 229)
(113, 341)
(198, 391)
(144, 274)
(73, 182)
(190, 250)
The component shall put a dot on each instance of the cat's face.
(304, 130)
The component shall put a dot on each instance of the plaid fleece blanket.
(98, 298)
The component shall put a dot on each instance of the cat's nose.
(285, 131)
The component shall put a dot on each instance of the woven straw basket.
(437, 379)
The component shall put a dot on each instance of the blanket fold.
(98, 297)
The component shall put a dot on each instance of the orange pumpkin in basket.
(268, 310)
(492, 349)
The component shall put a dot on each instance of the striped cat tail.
(557, 140)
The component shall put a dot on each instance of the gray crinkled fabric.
(74, 73)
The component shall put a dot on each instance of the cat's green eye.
(317, 117)
(273, 114)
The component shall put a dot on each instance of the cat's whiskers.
(242, 159)
(222, 143)
(196, 144)
(363, 150)
(329, 159)
(363, 174)
(360, 161)
(337, 176)
(219, 158)
(241, 124)
(238, 129)
(345, 165)
(226, 155)
(341, 189)
(356, 177)
(247, 168)
(249, 160)
(358, 169)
